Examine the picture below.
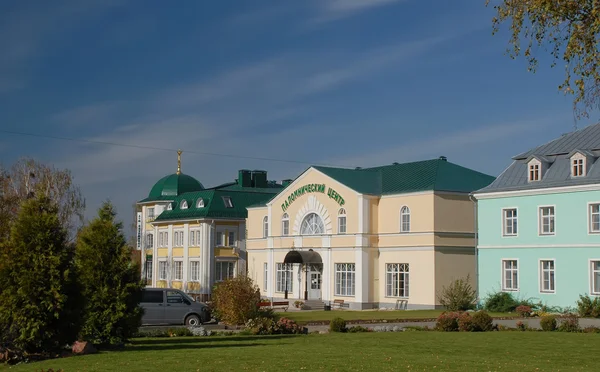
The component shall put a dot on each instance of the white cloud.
(331, 10)
(93, 114)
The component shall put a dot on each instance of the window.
(184, 204)
(224, 270)
(312, 225)
(342, 221)
(178, 239)
(152, 296)
(177, 270)
(149, 268)
(405, 219)
(195, 271)
(163, 238)
(547, 276)
(265, 227)
(546, 220)
(577, 169)
(169, 206)
(266, 278)
(396, 280)
(220, 239)
(510, 275)
(227, 202)
(200, 203)
(510, 222)
(344, 279)
(284, 278)
(162, 270)
(160, 239)
(150, 212)
(285, 224)
(174, 297)
(149, 240)
(594, 218)
(197, 237)
(192, 238)
(595, 271)
(534, 171)
(231, 239)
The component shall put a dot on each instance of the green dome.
(174, 185)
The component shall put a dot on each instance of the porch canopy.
(302, 257)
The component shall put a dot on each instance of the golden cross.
(179, 162)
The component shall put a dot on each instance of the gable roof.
(587, 138)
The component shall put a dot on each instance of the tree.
(110, 280)
(27, 178)
(235, 300)
(571, 28)
(39, 296)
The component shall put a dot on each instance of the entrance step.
(314, 305)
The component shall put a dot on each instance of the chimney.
(259, 179)
(443, 158)
(244, 178)
(286, 183)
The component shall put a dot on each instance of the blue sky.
(344, 82)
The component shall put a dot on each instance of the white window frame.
(149, 240)
(196, 271)
(265, 226)
(197, 238)
(266, 278)
(395, 274)
(405, 219)
(578, 165)
(345, 273)
(149, 269)
(541, 274)
(227, 265)
(148, 214)
(591, 271)
(541, 220)
(162, 269)
(231, 239)
(514, 288)
(192, 238)
(284, 273)
(183, 204)
(178, 270)
(505, 220)
(178, 238)
(227, 201)
(220, 235)
(200, 203)
(534, 166)
(342, 221)
(285, 224)
(590, 216)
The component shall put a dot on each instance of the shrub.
(358, 329)
(458, 296)
(523, 311)
(591, 329)
(522, 326)
(482, 322)
(235, 300)
(337, 325)
(40, 299)
(588, 308)
(261, 326)
(447, 322)
(111, 285)
(288, 327)
(501, 302)
(465, 323)
(548, 323)
(179, 332)
(569, 323)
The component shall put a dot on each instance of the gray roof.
(556, 154)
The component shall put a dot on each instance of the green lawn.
(303, 317)
(433, 351)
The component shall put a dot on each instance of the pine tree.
(39, 297)
(111, 282)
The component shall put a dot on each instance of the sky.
(273, 85)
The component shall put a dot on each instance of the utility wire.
(167, 149)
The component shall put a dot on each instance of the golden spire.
(179, 162)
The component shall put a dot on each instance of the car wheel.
(192, 321)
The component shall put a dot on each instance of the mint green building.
(539, 223)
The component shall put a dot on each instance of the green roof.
(171, 186)
(435, 175)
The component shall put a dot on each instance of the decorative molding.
(313, 205)
(537, 191)
(538, 246)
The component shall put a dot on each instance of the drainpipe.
(476, 230)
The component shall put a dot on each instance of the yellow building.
(192, 237)
(376, 237)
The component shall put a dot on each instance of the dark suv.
(172, 306)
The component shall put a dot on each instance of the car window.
(174, 297)
(153, 297)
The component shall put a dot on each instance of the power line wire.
(167, 149)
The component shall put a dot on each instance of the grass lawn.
(303, 317)
(434, 351)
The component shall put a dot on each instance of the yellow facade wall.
(406, 240)
(194, 252)
(454, 213)
(421, 275)
(452, 264)
(256, 270)
(163, 252)
(177, 252)
(254, 222)
(421, 207)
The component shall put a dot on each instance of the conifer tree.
(111, 281)
(39, 296)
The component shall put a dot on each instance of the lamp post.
(306, 283)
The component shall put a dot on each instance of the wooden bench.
(340, 303)
(401, 304)
(274, 305)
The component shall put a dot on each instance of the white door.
(314, 282)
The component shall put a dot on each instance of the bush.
(588, 308)
(447, 322)
(522, 326)
(548, 323)
(570, 323)
(501, 302)
(40, 299)
(269, 326)
(235, 300)
(111, 285)
(358, 329)
(337, 325)
(591, 329)
(288, 327)
(482, 322)
(465, 323)
(458, 296)
(524, 311)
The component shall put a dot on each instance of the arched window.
(342, 221)
(200, 203)
(150, 240)
(184, 204)
(404, 219)
(285, 224)
(312, 225)
(265, 226)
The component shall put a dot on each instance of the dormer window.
(535, 170)
(200, 203)
(227, 201)
(169, 207)
(578, 166)
(184, 204)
